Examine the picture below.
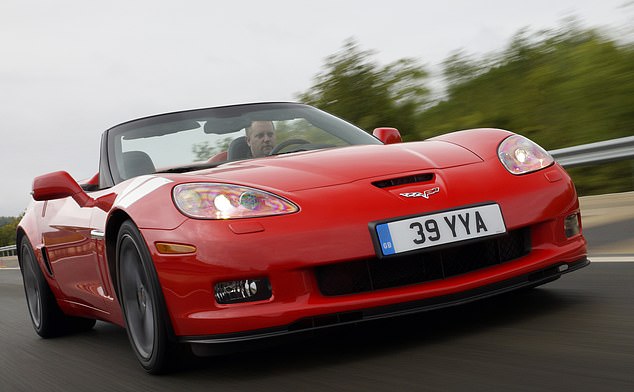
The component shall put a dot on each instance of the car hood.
(321, 168)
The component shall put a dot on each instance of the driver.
(260, 136)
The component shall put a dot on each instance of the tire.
(47, 318)
(142, 303)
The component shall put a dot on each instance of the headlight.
(224, 201)
(520, 155)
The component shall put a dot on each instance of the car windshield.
(196, 139)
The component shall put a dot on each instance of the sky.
(70, 69)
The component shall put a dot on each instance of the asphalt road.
(574, 334)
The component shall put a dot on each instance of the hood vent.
(404, 180)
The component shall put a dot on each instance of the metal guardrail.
(600, 152)
(10, 250)
(585, 154)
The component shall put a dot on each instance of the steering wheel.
(287, 143)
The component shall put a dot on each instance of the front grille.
(374, 274)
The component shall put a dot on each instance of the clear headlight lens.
(224, 201)
(519, 155)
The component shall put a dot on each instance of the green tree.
(561, 87)
(7, 231)
(204, 150)
(354, 87)
(5, 219)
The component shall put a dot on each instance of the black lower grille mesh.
(375, 274)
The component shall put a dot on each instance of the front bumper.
(205, 345)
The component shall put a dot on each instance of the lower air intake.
(374, 274)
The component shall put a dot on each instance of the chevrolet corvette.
(238, 224)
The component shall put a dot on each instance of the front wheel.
(142, 301)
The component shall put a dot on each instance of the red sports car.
(239, 223)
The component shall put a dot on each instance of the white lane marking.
(611, 259)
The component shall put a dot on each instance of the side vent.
(47, 263)
(404, 180)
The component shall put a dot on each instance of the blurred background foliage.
(562, 87)
(356, 88)
(8, 225)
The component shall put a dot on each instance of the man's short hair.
(248, 129)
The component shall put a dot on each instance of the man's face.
(261, 138)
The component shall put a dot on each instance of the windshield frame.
(110, 173)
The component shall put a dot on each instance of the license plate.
(441, 228)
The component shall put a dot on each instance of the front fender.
(483, 142)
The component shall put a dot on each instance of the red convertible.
(240, 223)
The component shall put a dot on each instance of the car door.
(72, 253)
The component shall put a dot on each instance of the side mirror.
(56, 185)
(387, 135)
(60, 184)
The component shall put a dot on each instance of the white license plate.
(440, 228)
